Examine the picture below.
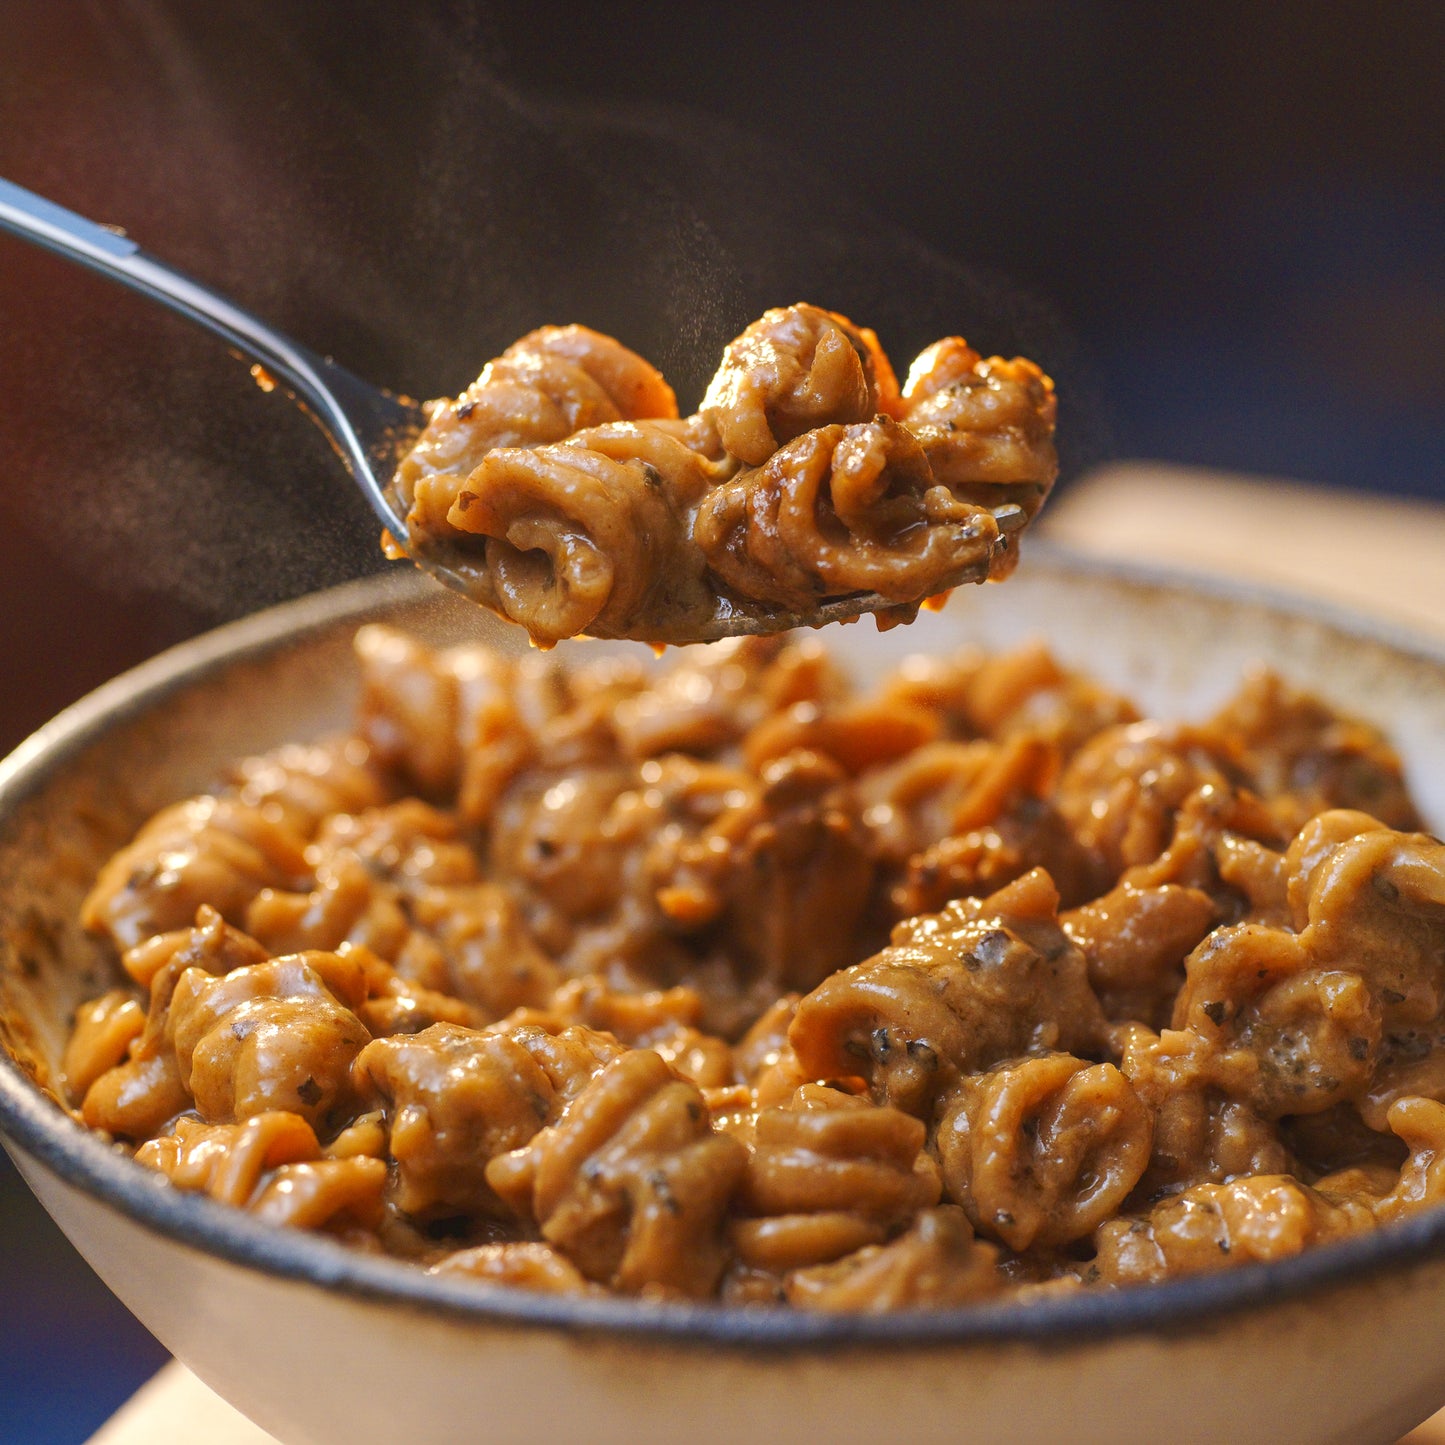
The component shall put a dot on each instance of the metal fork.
(370, 428)
(367, 426)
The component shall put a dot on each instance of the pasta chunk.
(563, 490)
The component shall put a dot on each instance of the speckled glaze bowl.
(320, 1344)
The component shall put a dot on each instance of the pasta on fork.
(566, 490)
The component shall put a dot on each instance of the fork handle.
(112, 253)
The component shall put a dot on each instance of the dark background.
(1221, 228)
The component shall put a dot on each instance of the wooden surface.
(1357, 551)
(175, 1408)
(1377, 556)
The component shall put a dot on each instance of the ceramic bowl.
(320, 1344)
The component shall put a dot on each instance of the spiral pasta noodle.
(843, 509)
(723, 982)
(584, 535)
(1042, 1150)
(567, 492)
(794, 369)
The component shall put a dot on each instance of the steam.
(399, 206)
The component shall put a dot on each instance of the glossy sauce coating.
(564, 487)
(721, 981)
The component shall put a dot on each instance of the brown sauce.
(569, 495)
(723, 981)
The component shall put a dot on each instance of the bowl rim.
(33, 1122)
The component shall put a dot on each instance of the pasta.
(722, 982)
(566, 491)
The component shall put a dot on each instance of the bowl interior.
(79, 788)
